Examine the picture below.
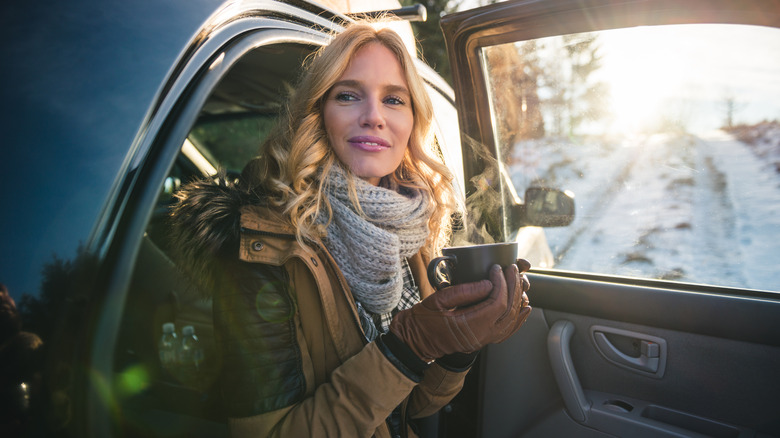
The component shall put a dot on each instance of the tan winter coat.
(333, 382)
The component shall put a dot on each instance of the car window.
(241, 111)
(231, 141)
(668, 137)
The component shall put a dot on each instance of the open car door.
(661, 314)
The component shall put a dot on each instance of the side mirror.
(545, 207)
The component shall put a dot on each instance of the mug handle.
(433, 265)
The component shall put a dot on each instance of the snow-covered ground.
(703, 209)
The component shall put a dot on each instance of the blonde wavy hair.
(297, 157)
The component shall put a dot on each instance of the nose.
(372, 116)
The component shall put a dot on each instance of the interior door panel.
(720, 373)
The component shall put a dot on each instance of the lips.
(369, 143)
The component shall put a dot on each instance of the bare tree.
(573, 96)
(730, 107)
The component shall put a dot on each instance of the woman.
(319, 319)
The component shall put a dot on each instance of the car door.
(661, 315)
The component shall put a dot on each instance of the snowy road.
(696, 209)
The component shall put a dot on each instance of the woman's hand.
(466, 317)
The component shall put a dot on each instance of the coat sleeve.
(263, 383)
(440, 383)
(437, 388)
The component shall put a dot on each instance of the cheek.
(403, 126)
(331, 122)
(398, 157)
(327, 119)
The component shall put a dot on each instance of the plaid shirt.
(374, 324)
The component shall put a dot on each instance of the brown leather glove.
(465, 317)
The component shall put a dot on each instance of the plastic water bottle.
(190, 359)
(190, 350)
(167, 347)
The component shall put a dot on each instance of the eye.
(346, 96)
(394, 100)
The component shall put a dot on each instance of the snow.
(701, 209)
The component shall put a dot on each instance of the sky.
(691, 70)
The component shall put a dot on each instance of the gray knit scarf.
(368, 249)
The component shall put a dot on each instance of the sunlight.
(647, 78)
(668, 76)
(637, 93)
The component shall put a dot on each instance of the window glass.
(669, 138)
(232, 141)
(447, 133)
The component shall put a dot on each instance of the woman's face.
(368, 114)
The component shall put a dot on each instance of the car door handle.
(651, 359)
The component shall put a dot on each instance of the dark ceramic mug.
(467, 264)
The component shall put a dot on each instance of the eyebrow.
(391, 88)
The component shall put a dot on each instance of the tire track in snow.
(714, 222)
(592, 214)
(753, 190)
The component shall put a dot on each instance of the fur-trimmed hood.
(205, 226)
